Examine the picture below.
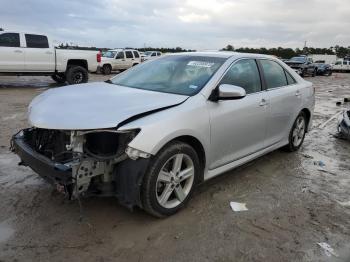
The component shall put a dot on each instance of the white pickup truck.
(32, 54)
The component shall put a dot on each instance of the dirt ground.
(293, 203)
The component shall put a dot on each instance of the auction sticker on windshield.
(200, 64)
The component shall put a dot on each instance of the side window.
(158, 54)
(290, 79)
(154, 54)
(128, 54)
(9, 40)
(120, 55)
(274, 74)
(136, 54)
(37, 41)
(245, 74)
(338, 63)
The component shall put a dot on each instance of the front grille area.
(50, 143)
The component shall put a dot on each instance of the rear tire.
(314, 73)
(59, 78)
(107, 69)
(297, 133)
(77, 75)
(170, 179)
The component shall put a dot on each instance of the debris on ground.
(338, 103)
(319, 163)
(329, 251)
(238, 206)
(344, 204)
(346, 99)
(307, 156)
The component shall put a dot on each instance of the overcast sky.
(195, 24)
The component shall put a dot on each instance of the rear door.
(11, 53)
(39, 57)
(284, 99)
(137, 56)
(129, 58)
(238, 127)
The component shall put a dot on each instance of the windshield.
(178, 74)
(298, 59)
(148, 53)
(109, 54)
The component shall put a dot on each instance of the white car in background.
(33, 54)
(119, 59)
(150, 55)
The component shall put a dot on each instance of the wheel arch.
(196, 145)
(77, 62)
(307, 113)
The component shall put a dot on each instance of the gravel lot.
(293, 203)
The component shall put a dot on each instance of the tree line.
(287, 53)
(161, 49)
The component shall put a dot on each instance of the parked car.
(303, 65)
(149, 55)
(341, 66)
(149, 135)
(119, 59)
(31, 54)
(322, 68)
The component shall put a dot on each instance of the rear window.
(290, 79)
(274, 74)
(9, 40)
(136, 54)
(37, 41)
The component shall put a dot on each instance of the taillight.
(98, 57)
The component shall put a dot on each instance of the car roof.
(224, 54)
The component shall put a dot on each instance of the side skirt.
(217, 171)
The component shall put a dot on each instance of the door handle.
(263, 102)
(297, 93)
(18, 51)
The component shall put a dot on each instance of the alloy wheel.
(175, 180)
(299, 131)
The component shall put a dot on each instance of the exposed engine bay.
(91, 156)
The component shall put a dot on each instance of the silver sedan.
(149, 135)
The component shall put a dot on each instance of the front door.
(11, 53)
(238, 127)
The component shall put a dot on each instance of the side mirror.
(227, 92)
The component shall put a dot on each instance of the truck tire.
(106, 69)
(77, 75)
(59, 78)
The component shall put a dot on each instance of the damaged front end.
(93, 162)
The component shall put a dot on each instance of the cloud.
(197, 24)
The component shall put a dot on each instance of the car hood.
(95, 106)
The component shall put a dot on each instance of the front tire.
(171, 177)
(297, 133)
(77, 75)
